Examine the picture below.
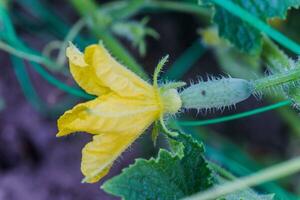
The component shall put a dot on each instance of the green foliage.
(3, 2)
(240, 33)
(183, 171)
(230, 59)
(2, 104)
(279, 63)
(247, 194)
(166, 177)
(136, 32)
(173, 175)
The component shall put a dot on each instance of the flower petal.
(83, 73)
(99, 155)
(114, 75)
(109, 113)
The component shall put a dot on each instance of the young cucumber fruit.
(216, 93)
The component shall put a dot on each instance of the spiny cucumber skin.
(216, 93)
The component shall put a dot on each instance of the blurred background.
(34, 81)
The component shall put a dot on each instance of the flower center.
(170, 100)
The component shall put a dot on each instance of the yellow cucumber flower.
(124, 108)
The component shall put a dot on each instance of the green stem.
(272, 173)
(84, 7)
(121, 10)
(277, 79)
(234, 116)
(113, 44)
(190, 8)
(14, 46)
(279, 62)
(126, 10)
(276, 59)
(29, 56)
(221, 171)
(74, 31)
(60, 85)
(87, 9)
(25, 83)
(13, 39)
(234, 160)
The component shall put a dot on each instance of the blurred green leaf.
(121, 10)
(2, 104)
(230, 59)
(136, 32)
(166, 177)
(240, 33)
